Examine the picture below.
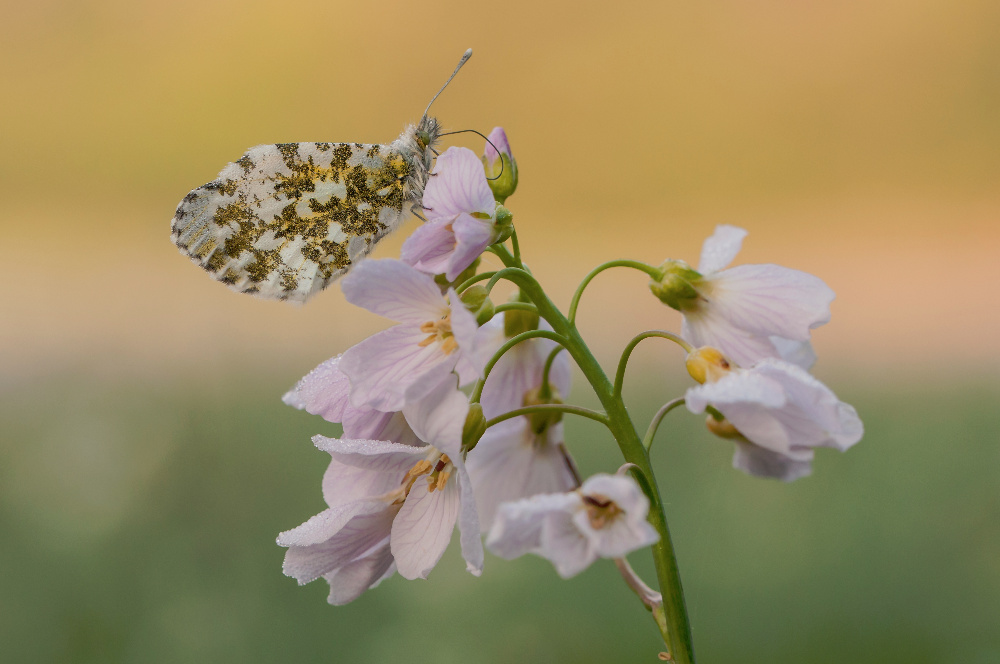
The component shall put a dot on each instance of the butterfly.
(284, 221)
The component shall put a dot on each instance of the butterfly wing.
(286, 220)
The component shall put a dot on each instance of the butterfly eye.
(423, 138)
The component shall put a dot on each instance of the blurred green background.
(146, 462)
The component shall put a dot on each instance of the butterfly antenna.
(473, 131)
(465, 58)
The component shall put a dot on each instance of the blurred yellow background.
(858, 140)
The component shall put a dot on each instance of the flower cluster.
(453, 416)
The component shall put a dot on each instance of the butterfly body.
(285, 220)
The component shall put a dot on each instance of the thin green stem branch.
(544, 407)
(676, 629)
(515, 245)
(477, 391)
(623, 362)
(654, 424)
(636, 265)
(482, 276)
(507, 306)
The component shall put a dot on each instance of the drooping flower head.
(749, 312)
(775, 412)
(462, 217)
(604, 518)
(391, 506)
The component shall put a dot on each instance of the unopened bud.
(477, 300)
(474, 428)
(504, 225)
(707, 364)
(516, 321)
(676, 285)
(500, 165)
(541, 420)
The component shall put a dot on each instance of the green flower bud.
(676, 286)
(504, 224)
(474, 428)
(516, 321)
(500, 165)
(477, 300)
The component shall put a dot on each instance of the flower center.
(601, 510)
(438, 468)
(439, 330)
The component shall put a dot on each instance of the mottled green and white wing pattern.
(286, 220)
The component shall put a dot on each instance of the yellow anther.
(449, 345)
(442, 479)
(421, 467)
(428, 341)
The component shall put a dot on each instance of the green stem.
(546, 390)
(543, 407)
(623, 362)
(482, 276)
(654, 424)
(636, 265)
(678, 631)
(515, 245)
(507, 306)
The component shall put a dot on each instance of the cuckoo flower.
(524, 456)
(406, 502)
(462, 217)
(776, 413)
(436, 335)
(749, 312)
(604, 518)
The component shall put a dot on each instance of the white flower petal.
(517, 527)
(510, 463)
(468, 522)
(324, 391)
(374, 455)
(430, 247)
(393, 289)
(565, 546)
(799, 353)
(736, 387)
(457, 184)
(760, 462)
(721, 248)
(347, 583)
(472, 236)
(423, 528)
(327, 523)
(358, 535)
(383, 366)
(439, 418)
(769, 300)
(708, 328)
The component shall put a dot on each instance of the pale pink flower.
(751, 312)
(461, 217)
(436, 335)
(778, 414)
(604, 518)
(395, 508)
